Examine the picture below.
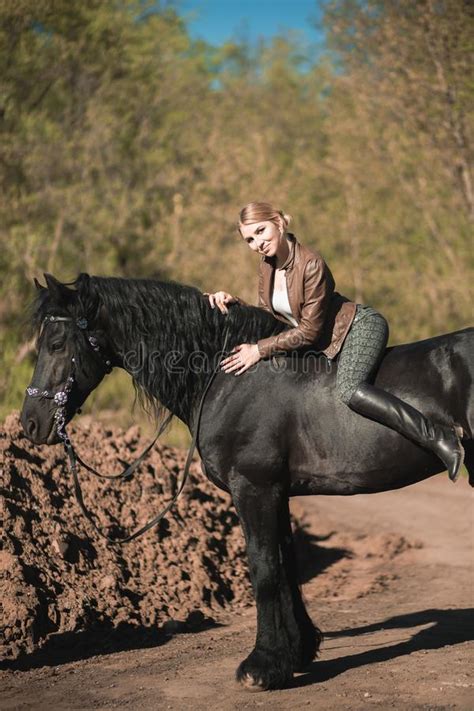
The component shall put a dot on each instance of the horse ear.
(60, 292)
(39, 286)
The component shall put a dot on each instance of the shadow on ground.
(447, 628)
(103, 640)
(312, 558)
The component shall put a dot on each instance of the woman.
(296, 286)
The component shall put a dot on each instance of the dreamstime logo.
(176, 362)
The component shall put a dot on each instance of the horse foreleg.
(270, 665)
(306, 638)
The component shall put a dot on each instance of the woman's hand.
(241, 358)
(220, 299)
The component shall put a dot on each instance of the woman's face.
(262, 237)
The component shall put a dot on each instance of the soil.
(164, 622)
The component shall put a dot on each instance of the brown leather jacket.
(324, 316)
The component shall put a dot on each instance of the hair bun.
(286, 218)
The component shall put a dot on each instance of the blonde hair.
(262, 212)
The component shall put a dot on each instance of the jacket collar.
(291, 256)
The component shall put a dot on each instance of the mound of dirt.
(57, 575)
(59, 579)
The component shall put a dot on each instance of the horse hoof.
(251, 683)
(264, 670)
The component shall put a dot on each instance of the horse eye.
(57, 345)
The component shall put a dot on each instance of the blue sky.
(219, 20)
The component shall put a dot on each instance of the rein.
(60, 398)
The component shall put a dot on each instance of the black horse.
(276, 431)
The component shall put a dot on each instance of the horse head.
(73, 356)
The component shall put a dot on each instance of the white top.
(281, 304)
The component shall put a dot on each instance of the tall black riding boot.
(382, 406)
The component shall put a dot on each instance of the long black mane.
(167, 330)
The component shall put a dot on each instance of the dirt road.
(397, 632)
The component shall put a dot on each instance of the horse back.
(436, 375)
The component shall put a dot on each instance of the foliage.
(128, 149)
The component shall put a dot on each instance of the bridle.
(61, 398)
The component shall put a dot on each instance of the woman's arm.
(318, 288)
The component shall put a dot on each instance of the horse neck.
(173, 363)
